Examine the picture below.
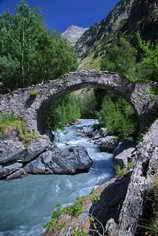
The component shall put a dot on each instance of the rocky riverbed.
(27, 203)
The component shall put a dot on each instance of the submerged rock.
(71, 160)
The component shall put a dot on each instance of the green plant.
(118, 117)
(149, 64)
(149, 224)
(121, 172)
(29, 53)
(87, 104)
(93, 196)
(10, 121)
(75, 210)
(67, 111)
(76, 233)
(120, 57)
(34, 93)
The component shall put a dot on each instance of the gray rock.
(144, 172)
(73, 33)
(36, 147)
(89, 131)
(13, 150)
(68, 161)
(10, 150)
(103, 132)
(109, 205)
(123, 154)
(108, 144)
(17, 174)
(9, 169)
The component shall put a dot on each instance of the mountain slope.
(73, 33)
(127, 17)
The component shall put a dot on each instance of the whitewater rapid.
(26, 204)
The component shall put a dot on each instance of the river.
(27, 203)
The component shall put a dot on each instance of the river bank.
(30, 201)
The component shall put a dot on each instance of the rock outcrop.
(73, 33)
(128, 16)
(127, 213)
(71, 160)
(122, 201)
(40, 157)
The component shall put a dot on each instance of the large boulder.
(71, 160)
(108, 144)
(16, 151)
(10, 150)
(123, 154)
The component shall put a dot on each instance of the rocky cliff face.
(73, 33)
(122, 201)
(128, 16)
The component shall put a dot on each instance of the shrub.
(67, 111)
(118, 117)
(120, 57)
(149, 65)
(34, 93)
(11, 121)
(149, 224)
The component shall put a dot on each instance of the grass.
(74, 211)
(10, 122)
(91, 62)
(121, 172)
(149, 225)
(34, 93)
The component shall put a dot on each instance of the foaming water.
(26, 204)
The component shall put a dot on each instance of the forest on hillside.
(30, 54)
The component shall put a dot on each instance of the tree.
(148, 67)
(118, 117)
(28, 53)
(120, 57)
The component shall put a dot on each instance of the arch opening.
(54, 101)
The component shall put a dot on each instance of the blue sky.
(59, 14)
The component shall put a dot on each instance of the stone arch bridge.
(33, 109)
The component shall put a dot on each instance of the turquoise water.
(26, 204)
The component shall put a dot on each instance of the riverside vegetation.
(29, 54)
(27, 61)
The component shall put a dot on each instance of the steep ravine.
(122, 201)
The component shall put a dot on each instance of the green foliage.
(149, 65)
(28, 53)
(88, 104)
(121, 172)
(67, 111)
(76, 233)
(120, 57)
(118, 117)
(149, 225)
(10, 121)
(34, 93)
(93, 196)
(74, 210)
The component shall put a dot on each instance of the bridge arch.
(33, 109)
